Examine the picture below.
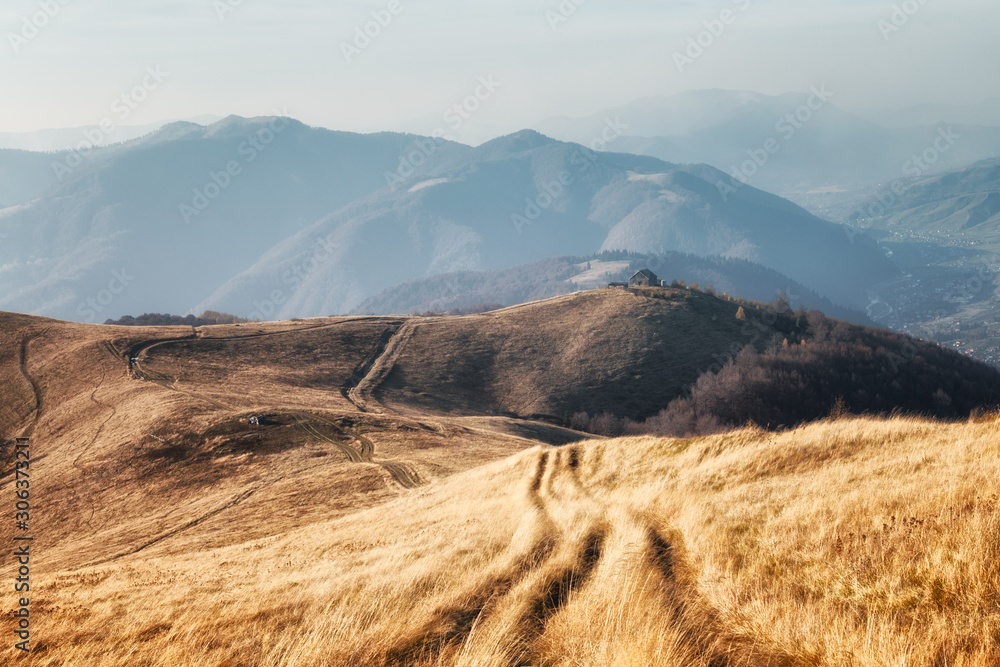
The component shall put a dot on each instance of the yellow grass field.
(168, 532)
(853, 542)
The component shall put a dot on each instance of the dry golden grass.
(170, 533)
(851, 542)
(628, 352)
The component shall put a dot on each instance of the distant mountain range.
(789, 144)
(526, 197)
(964, 203)
(267, 217)
(983, 114)
(68, 138)
(146, 209)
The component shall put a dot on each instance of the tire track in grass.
(365, 451)
(361, 371)
(453, 623)
(230, 504)
(701, 624)
(381, 367)
(521, 591)
(236, 500)
(582, 534)
(36, 412)
(353, 455)
(404, 477)
(36, 389)
(137, 349)
(100, 429)
(511, 627)
(554, 591)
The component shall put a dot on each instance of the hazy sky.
(250, 57)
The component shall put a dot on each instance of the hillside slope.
(194, 469)
(744, 550)
(632, 352)
(587, 351)
(390, 453)
(958, 205)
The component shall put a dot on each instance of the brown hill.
(627, 351)
(153, 495)
(174, 431)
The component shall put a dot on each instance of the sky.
(67, 63)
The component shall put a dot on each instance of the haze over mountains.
(942, 231)
(269, 218)
(984, 114)
(959, 204)
(60, 139)
(819, 145)
(120, 210)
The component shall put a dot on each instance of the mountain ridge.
(283, 220)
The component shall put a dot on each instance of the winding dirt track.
(7, 457)
(353, 454)
(364, 453)
(379, 363)
(35, 388)
(136, 349)
(380, 368)
(100, 428)
(578, 538)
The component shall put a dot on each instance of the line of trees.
(207, 318)
(824, 367)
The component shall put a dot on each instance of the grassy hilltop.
(414, 496)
